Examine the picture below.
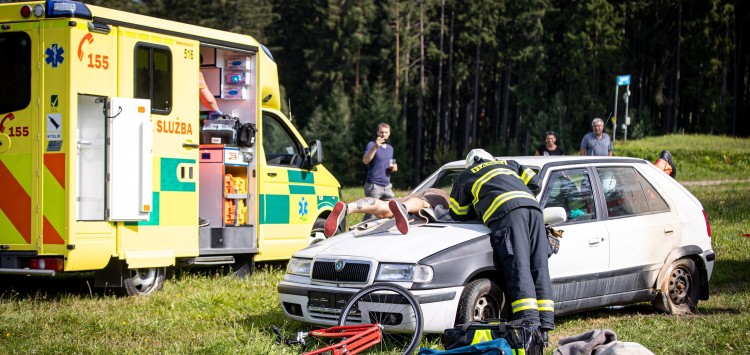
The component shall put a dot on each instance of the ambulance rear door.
(20, 122)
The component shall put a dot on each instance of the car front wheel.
(680, 290)
(482, 299)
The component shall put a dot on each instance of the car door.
(640, 225)
(584, 249)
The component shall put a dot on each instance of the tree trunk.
(475, 115)
(506, 98)
(677, 71)
(418, 155)
(398, 46)
(448, 113)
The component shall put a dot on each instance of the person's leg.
(401, 207)
(540, 253)
(371, 206)
(366, 205)
(376, 192)
(510, 241)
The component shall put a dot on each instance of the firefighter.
(498, 191)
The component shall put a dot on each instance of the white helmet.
(478, 155)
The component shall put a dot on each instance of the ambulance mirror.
(314, 153)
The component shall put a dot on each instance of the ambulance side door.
(288, 207)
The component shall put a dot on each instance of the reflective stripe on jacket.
(491, 189)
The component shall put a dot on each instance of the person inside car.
(500, 193)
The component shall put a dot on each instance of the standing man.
(380, 164)
(496, 191)
(596, 142)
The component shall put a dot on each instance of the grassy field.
(210, 313)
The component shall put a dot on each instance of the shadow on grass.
(51, 288)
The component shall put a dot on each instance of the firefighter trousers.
(520, 242)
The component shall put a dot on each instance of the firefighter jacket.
(491, 189)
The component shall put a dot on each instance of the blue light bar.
(66, 8)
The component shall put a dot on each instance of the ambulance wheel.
(317, 234)
(142, 282)
(482, 299)
(680, 289)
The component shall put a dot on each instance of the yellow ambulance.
(109, 162)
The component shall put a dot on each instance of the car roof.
(541, 161)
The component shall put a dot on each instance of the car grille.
(351, 272)
(326, 305)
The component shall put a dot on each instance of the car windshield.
(445, 178)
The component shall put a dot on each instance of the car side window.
(278, 145)
(571, 190)
(656, 203)
(622, 191)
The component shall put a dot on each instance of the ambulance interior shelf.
(225, 185)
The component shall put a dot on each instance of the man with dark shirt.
(380, 164)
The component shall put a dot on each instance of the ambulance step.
(211, 260)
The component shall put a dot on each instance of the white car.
(631, 234)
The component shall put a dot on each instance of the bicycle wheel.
(395, 309)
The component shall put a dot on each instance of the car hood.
(392, 246)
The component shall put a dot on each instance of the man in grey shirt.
(596, 142)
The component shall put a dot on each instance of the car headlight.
(299, 267)
(404, 273)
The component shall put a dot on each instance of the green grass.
(698, 157)
(208, 313)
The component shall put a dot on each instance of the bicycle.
(386, 316)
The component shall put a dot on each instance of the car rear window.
(627, 193)
(15, 71)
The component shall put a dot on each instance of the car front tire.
(482, 299)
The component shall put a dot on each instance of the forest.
(452, 75)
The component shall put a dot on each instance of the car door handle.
(271, 174)
(668, 231)
(594, 242)
(190, 145)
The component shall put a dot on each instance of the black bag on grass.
(523, 337)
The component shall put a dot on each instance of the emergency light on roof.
(65, 8)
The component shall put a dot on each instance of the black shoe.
(545, 338)
(203, 222)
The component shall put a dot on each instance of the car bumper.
(321, 305)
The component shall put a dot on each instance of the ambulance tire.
(243, 266)
(143, 282)
(317, 234)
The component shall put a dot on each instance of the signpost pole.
(614, 117)
(621, 80)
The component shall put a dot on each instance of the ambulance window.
(278, 144)
(153, 77)
(15, 71)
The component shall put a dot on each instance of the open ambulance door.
(130, 167)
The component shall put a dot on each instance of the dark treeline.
(451, 75)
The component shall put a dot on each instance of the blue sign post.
(623, 80)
